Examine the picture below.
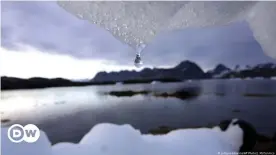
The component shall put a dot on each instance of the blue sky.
(42, 39)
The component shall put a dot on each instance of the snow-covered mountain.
(264, 70)
(219, 71)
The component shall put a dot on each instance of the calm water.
(66, 114)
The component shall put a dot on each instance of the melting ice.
(136, 22)
(111, 139)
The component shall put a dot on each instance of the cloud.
(31, 62)
(44, 25)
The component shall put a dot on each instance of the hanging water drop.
(138, 61)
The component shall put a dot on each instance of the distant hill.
(8, 83)
(183, 71)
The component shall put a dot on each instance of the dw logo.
(29, 133)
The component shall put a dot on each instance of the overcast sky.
(42, 39)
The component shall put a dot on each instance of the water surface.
(67, 113)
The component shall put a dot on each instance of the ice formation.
(40, 147)
(138, 22)
(111, 139)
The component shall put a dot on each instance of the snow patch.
(222, 74)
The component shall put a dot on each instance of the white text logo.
(29, 133)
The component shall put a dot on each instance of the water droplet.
(138, 61)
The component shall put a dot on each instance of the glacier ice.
(138, 22)
(111, 139)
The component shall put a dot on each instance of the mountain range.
(189, 70)
(186, 70)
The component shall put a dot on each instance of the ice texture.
(138, 22)
(112, 139)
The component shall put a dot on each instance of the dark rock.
(161, 130)
(183, 94)
(126, 93)
(274, 137)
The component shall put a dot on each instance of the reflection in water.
(15, 104)
(83, 107)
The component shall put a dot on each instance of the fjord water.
(67, 113)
